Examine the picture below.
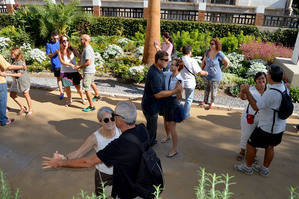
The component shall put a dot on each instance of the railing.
(188, 15)
(235, 18)
(87, 9)
(122, 12)
(3, 8)
(281, 21)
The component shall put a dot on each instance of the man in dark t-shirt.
(154, 91)
(122, 154)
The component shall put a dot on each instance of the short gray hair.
(104, 109)
(128, 111)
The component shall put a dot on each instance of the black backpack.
(150, 170)
(286, 106)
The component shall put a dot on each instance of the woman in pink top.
(167, 46)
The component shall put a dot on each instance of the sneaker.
(88, 109)
(96, 98)
(202, 103)
(61, 96)
(260, 169)
(243, 169)
(9, 121)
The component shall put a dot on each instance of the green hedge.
(116, 26)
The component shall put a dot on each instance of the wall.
(266, 3)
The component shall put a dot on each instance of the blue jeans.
(189, 94)
(3, 103)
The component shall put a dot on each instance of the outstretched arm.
(89, 143)
(77, 163)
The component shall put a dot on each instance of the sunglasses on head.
(106, 120)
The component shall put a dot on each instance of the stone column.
(96, 7)
(145, 9)
(259, 15)
(152, 31)
(202, 7)
(10, 6)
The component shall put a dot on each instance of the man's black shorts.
(262, 139)
(56, 72)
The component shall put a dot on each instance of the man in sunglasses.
(122, 154)
(51, 51)
(154, 92)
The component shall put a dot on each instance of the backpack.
(286, 106)
(150, 170)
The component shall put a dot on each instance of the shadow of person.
(76, 128)
(224, 121)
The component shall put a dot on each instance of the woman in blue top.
(212, 64)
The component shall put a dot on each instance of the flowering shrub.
(98, 60)
(123, 41)
(235, 60)
(255, 67)
(4, 43)
(264, 51)
(113, 51)
(137, 73)
(139, 52)
(37, 55)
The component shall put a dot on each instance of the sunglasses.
(212, 44)
(106, 120)
(64, 41)
(165, 60)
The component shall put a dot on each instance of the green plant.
(294, 93)
(235, 89)
(16, 35)
(5, 191)
(200, 83)
(229, 43)
(293, 192)
(208, 184)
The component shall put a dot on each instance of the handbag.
(250, 117)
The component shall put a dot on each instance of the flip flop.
(172, 155)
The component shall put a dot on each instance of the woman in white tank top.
(98, 141)
(69, 75)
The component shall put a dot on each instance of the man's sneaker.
(263, 171)
(61, 96)
(244, 169)
(88, 109)
(96, 98)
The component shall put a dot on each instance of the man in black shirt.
(122, 154)
(153, 91)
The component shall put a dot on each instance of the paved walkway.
(113, 88)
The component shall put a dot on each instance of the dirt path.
(209, 139)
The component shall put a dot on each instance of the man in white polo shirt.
(188, 73)
(270, 127)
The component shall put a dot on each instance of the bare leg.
(269, 155)
(165, 139)
(29, 103)
(174, 136)
(69, 95)
(59, 83)
(89, 98)
(250, 155)
(14, 96)
(95, 89)
(80, 93)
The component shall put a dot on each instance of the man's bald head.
(85, 39)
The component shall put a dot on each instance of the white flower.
(198, 59)
(256, 66)
(139, 51)
(98, 60)
(37, 55)
(26, 48)
(123, 41)
(4, 43)
(136, 69)
(113, 51)
(235, 60)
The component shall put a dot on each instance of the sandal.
(23, 110)
(68, 103)
(164, 140)
(172, 155)
(29, 113)
(241, 156)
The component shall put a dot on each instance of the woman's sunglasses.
(106, 120)
(64, 41)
